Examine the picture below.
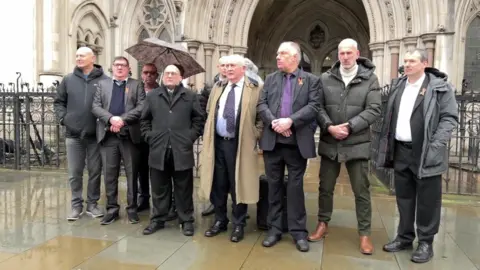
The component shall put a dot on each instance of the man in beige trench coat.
(229, 158)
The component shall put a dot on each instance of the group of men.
(280, 115)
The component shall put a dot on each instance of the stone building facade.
(448, 29)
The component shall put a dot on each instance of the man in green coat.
(351, 102)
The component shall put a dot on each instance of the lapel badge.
(300, 81)
(422, 93)
(126, 90)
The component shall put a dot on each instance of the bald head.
(171, 76)
(85, 58)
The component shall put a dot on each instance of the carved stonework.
(233, 3)
(154, 13)
(408, 16)
(213, 20)
(391, 20)
(317, 37)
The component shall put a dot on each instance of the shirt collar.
(294, 74)
(239, 83)
(120, 82)
(418, 83)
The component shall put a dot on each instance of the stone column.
(377, 55)
(240, 50)
(444, 56)
(209, 48)
(394, 46)
(410, 42)
(224, 50)
(193, 46)
(51, 40)
(429, 41)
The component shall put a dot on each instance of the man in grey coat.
(350, 103)
(420, 116)
(73, 104)
(118, 105)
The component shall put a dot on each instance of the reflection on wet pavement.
(34, 234)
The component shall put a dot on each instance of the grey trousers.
(79, 151)
(113, 151)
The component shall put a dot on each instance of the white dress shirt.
(403, 131)
(222, 122)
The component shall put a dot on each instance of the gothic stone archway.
(317, 25)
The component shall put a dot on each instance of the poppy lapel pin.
(422, 93)
(300, 81)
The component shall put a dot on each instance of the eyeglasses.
(120, 65)
(149, 72)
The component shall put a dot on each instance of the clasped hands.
(339, 132)
(282, 126)
(116, 123)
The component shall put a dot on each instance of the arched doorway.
(317, 25)
(472, 55)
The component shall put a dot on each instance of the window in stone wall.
(472, 55)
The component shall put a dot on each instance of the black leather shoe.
(133, 217)
(109, 218)
(237, 234)
(423, 254)
(172, 214)
(302, 245)
(188, 229)
(153, 227)
(396, 246)
(209, 211)
(217, 228)
(142, 206)
(271, 240)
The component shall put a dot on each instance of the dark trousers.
(161, 182)
(420, 197)
(224, 183)
(144, 174)
(275, 161)
(114, 150)
(358, 174)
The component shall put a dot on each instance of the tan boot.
(320, 232)
(366, 246)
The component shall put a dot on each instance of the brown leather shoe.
(366, 246)
(320, 232)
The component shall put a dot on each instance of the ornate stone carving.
(317, 37)
(233, 3)
(113, 21)
(213, 20)
(391, 20)
(474, 5)
(408, 16)
(154, 13)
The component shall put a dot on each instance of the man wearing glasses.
(118, 105)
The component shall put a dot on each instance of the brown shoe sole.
(317, 240)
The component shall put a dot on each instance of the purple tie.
(229, 110)
(286, 108)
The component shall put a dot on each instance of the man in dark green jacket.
(351, 102)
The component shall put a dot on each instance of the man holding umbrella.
(171, 122)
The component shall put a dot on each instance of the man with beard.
(350, 103)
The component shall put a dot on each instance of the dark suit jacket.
(306, 104)
(417, 122)
(178, 122)
(134, 98)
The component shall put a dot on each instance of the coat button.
(170, 111)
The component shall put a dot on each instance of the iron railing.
(463, 174)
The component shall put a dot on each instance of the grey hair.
(293, 48)
(251, 66)
(422, 52)
(235, 59)
(348, 42)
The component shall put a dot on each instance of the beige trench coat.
(250, 129)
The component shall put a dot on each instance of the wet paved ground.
(34, 234)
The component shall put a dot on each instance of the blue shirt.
(221, 124)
